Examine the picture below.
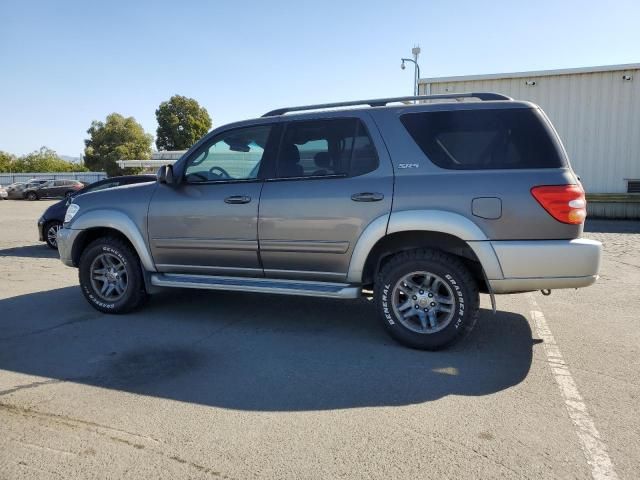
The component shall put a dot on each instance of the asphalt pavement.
(235, 386)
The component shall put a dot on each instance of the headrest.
(322, 160)
(290, 153)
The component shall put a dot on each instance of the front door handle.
(367, 197)
(236, 199)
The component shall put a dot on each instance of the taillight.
(565, 203)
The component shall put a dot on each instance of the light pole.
(416, 71)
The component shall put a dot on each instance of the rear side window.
(321, 148)
(484, 139)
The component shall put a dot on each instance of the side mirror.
(165, 174)
(162, 174)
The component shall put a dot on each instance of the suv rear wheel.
(427, 299)
(111, 277)
(32, 196)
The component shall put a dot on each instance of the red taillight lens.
(565, 203)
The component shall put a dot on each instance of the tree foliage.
(6, 162)
(181, 123)
(43, 160)
(119, 138)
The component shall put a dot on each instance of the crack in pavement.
(94, 427)
(82, 319)
(31, 385)
(63, 419)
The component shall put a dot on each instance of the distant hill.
(69, 158)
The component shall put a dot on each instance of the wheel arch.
(99, 223)
(408, 230)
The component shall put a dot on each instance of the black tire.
(51, 242)
(454, 277)
(68, 194)
(31, 196)
(133, 296)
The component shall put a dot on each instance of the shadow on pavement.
(252, 352)
(30, 251)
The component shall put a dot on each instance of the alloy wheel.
(52, 234)
(108, 277)
(423, 302)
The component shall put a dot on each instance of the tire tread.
(138, 296)
(438, 257)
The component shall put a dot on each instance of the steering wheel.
(223, 172)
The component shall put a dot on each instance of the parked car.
(3, 193)
(51, 220)
(427, 205)
(52, 189)
(15, 190)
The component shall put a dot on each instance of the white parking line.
(592, 445)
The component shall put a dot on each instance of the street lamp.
(416, 71)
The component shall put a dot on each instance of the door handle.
(367, 197)
(236, 199)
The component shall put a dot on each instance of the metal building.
(596, 111)
(157, 160)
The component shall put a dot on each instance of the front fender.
(423, 220)
(119, 221)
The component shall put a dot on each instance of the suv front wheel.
(111, 277)
(51, 233)
(427, 299)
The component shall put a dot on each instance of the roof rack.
(381, 102)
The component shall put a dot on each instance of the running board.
(259, 285)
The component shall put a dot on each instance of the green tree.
(118, 138)
(181, 123)
(6, 162)
(44, 160)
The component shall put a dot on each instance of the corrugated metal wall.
(596, 114)
(90, 177)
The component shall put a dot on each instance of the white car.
(3, 193)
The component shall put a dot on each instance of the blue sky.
(66, 63)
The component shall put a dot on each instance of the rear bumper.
(546, 264)
(517, 285)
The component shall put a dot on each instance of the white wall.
(596, 114)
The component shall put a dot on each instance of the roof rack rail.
(381, 102)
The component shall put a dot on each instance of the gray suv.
(422, 205)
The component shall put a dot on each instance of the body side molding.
(123, 224)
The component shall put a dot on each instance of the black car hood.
(56, 211)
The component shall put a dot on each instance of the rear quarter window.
(485, 139)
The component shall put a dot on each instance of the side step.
(260, 285)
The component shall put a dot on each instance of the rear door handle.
(236, 199)
(367, 197)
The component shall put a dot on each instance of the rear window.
(484, 139)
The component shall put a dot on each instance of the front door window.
(234, 155)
